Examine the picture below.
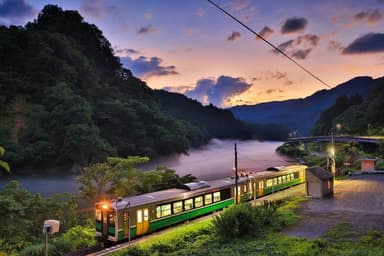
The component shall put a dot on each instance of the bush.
(80, 236)
(244, 219)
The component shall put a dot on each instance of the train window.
(158, 212)
(98, 215)
(284, 179)
(198, 201)
(177, 206)
(208, 199)
(165, 210)
(279, 180)
(269, 183)
(292, 176)
(250, 187)
(111, 218)
(288, 177)
(188, 204)
(225, 194)
(274, 181)
(125, 216)
(216, 197)
(245, 188)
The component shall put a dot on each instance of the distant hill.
(216, 122)
(301, 114)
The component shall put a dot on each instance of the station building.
(319, 182)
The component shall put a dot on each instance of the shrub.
(244, 219)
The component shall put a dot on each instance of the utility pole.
(236, 176)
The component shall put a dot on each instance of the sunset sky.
(191, 47)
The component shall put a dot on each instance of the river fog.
(215, 160)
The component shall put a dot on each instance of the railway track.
(297, 190)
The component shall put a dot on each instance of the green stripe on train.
(281, 186)
(164, 222)
(120, 234)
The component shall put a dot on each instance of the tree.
(3, 164)
(94, 180)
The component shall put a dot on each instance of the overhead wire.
(270, 44)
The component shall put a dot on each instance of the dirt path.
(357, 200)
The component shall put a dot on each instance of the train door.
(126, 223)
(142, 223)
(261, 187)
(104, 227)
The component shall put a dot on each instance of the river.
(215, 160)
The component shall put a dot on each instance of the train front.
(105, 221)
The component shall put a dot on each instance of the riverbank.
(213, 161)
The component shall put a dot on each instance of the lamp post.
(236, 177)
(333, 163)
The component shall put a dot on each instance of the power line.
(270, 44)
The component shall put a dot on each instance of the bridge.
(337, 138)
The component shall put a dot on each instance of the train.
(126, 218)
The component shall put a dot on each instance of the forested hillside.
(216, 122)
(301, 114)
(66, 99)
(354, 116)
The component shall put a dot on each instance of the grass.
(198, 238)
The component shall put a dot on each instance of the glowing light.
(105, 206)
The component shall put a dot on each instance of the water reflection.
(215, 160)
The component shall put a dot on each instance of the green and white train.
(126, 218)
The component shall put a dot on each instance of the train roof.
(186, 191)
(192, 189)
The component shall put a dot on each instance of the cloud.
(369, 43)
(278, 75)
(146, 30)
(218, 92)
(146, 68)
(294, 24)
(200, 12)
(239, 5)
(15, 11)
(336, 46)
(178, 89)
(148, 15)
(300, 47)
(234, 36)
(125, 52)
(96, 9)
(266, 32)
(271, 91)
(370, 16)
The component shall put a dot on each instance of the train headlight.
(105, 206)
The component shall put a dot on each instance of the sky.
(191, 47)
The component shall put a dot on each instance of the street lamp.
(50, 227)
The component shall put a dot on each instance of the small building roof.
(320, 173)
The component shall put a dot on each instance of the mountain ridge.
(301, 114)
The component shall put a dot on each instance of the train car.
(126, 218)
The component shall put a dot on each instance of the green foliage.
(80, 236)
(119, 177)
(199, 239)
(244, 219)
(293, 150)
(3, 164)
(69, 101)
(356, 117)
(25, 213)
(327, 123)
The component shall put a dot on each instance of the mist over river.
(215, 160)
